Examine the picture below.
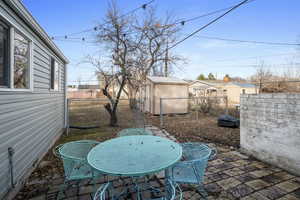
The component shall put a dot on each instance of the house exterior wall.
(234, 92)
(270, 129)
(30, 121)
(196, 86)
(170, 106)
(148, 96)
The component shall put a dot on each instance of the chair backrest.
(74, 154)
(77, 150)
(198, 154)
(134, 131)
(195, 151)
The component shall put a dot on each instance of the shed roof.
(243, 85)
(25, 15)
(171, 80)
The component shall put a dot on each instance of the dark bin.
(228, 121)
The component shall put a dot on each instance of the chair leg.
(61, 191)
(202, 191)
(77, 189)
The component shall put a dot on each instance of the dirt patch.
(188, 128)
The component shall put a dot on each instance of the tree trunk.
(132, 98)
(113, 119)
(113, 115)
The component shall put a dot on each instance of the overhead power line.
(211, 13)
(292, 65)
(208, 24)
(256, 57)
(250, 41)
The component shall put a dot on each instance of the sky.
(260, 20)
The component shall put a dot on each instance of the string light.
(181, 22)
(144, 6)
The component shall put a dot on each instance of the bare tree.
(151, 54)
(262, 75)
(113, 35)
(136, 48)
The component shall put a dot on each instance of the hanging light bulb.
(182, 23)
(124, 35)
(83, 39)
(144, 6)
(66, 37)
(95, 28)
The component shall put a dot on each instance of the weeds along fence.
(195, 109)
(90, 113)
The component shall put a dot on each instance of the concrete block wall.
(270, 129)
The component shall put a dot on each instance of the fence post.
(161, 113)
(226, 100)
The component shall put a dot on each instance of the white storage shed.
(172, 91)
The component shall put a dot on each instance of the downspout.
(11, 152)
(66, 100)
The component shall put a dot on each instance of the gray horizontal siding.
(30, 121)
(29, 126)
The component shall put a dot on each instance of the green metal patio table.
(134, 156)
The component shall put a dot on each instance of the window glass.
(21, 61)
(54, 74)
(4, 55)
(56, 77)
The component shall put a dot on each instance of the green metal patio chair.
(192, 168)
(134, 131)
(74, 157)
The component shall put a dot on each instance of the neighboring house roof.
(25, 15)
(188, 80)
(202, 82)
(243, 85)
(171, 80)
(208, 83)
(89, 87)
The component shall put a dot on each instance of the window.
(4, 56)
(21, 61)
(15, 59)
(54, 85)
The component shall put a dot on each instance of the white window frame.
(54, 89)
(11, 58)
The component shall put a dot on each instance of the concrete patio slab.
(231, 175)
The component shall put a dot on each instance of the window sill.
(15, 90)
